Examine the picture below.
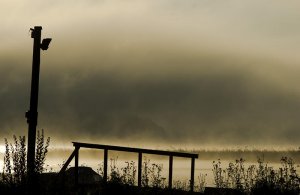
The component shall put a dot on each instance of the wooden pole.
(170, 171)
(105, 165)
(140, 169)
(76, 167)
(32, 114)
(192, 174)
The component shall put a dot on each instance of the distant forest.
(249, 155)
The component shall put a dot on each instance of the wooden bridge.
(140, 153)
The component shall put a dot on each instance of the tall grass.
(151, 176)
(258, 179)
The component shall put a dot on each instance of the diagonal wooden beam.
(63, 169)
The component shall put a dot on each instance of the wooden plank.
(137, 150)
(140, 170)
(170, 171)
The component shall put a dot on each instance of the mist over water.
(181, 166)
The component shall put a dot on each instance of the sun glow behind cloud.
(2, 149)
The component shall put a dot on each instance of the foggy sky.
(188, 72)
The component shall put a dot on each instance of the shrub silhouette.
(14, 169)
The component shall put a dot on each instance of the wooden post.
(140, 169)
(170, 171)
(76, 166)
(192, 174)
(105, 165)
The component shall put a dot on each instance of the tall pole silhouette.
(32, 114)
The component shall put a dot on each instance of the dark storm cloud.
(190, 71)
(198, 105)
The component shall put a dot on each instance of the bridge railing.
(139, 151)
